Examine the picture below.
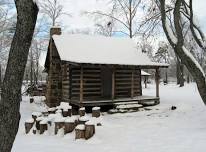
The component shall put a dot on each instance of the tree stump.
(28, 125)
(35, 115)
(69, 112)
(96, 112)
(82, 111)
(83, 120)
(80, 131)
(89, 129)
(31, 100)
(69, 125)
(38, 120)
(59, 123)
(43, 126)
(34, 131)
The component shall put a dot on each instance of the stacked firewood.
(60, 121)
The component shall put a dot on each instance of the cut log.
(70, 112)
(89, 129)
(28, 125)
(59, 123)
(64, 113)
(38, 120)
(80, 131)
(43, 126)
(82, 111)
(96, 112)
(69, 125)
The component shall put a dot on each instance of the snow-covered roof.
(80, 48)
(145, 73)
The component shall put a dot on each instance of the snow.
(159, 129)
(44, 121)
(80, 127)
(96, 108)
(170, 33)
(82, 108)
(145, 73)
(81, 48)
(70, 119)
(30, 120)
(194, 60)
(59, 119)
(129, 106)
(65, 106)
(36, 114)
(84, 118)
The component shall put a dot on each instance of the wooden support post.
(145, 81)
(132, 83)
(81, 84)
(157, 76)
(113, 83)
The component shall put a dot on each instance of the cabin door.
(106, 76)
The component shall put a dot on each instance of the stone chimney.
(55, 31)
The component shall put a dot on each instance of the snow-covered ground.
(156, 130)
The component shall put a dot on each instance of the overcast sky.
(76, 7)
(79, 21)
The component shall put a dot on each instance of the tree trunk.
(27, 12)
(0, 78)
(178, 44)
(180, 72)
(182, 75)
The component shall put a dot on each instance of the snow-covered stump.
(70, 112)
(59, 123)
(38, 120)
(35, 115)
(31, 100)
(65, 108)
(96, 112)
(83, 119)
(82, 111)
(64, 112)
(43, 126)
(89, 129)
(28, 125)
(69, 125)
(80, 131)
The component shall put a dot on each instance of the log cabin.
(95, 70)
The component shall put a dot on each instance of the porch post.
(132, 83)
(113, 82)
(157, 76)
(81, 84)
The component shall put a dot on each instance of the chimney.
(55, 31)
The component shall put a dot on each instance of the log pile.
(61, 118)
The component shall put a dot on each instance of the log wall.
(65, 82)
(127, 82)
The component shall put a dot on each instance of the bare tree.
(162, 56)
(53, 9)
(27, 11)
(177, 41)
(124, 13)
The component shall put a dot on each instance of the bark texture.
(27, 12)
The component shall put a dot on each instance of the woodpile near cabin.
(60, 120)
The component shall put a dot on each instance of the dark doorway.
(106, 76)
